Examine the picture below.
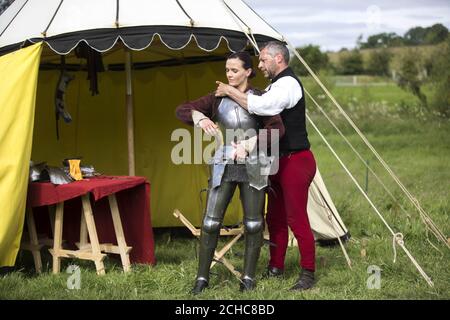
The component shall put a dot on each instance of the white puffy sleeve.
(283, 94)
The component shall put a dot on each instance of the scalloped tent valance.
(63, 24)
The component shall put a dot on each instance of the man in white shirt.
(289, 195)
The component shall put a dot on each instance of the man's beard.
(267, 74)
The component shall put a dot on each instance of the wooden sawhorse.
(218, 255)
(86, 251)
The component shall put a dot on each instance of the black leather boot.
(199, 286)
(305, 281)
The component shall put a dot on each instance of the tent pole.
(130, 115)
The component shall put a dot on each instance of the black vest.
(295, 137)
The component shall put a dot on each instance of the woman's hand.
(239, 151)
(222, 89)
(208, 126)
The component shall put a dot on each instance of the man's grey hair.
(276, 47)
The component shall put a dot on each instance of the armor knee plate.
(253, 226)
(210, 225)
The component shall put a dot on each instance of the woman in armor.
(240, 160)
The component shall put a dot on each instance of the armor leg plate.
(217, 203)
(253, 205)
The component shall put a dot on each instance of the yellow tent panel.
(18, 82)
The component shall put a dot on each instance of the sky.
(336, 24)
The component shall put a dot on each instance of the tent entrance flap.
(17, 101)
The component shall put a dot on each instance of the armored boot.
(208, 243)
(199, 286)
(253, 202)
(253, 243)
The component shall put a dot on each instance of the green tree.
(351, 63)
(378, 62)
(410, 77)
(415, 36)
(316, 59)
(436, 34)
(382, 40)
(440, 80)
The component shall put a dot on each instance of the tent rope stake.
(397, 238)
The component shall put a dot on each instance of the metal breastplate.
(235, 124)
(234, 118)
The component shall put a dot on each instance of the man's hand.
(208, 126)
(239, 151)
(222, 89)
(231, 92)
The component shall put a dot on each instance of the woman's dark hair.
(246, 59)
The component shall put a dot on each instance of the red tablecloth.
(133, 198)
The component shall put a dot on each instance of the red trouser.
(287, 206)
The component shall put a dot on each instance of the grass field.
(416, 148)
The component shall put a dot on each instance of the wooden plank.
(58, 236)
(231, 232)
(79, 254)
(104, 247)
(230, 267)
(83, 230)
(196, 232)
(115, 249)
(34, 241)
(186, 222)
(90, 223)
(122, 244)
(218, 255)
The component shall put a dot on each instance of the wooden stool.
(218, 255)
(93, 250)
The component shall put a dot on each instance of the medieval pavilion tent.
(157, 54)
(143, 58)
